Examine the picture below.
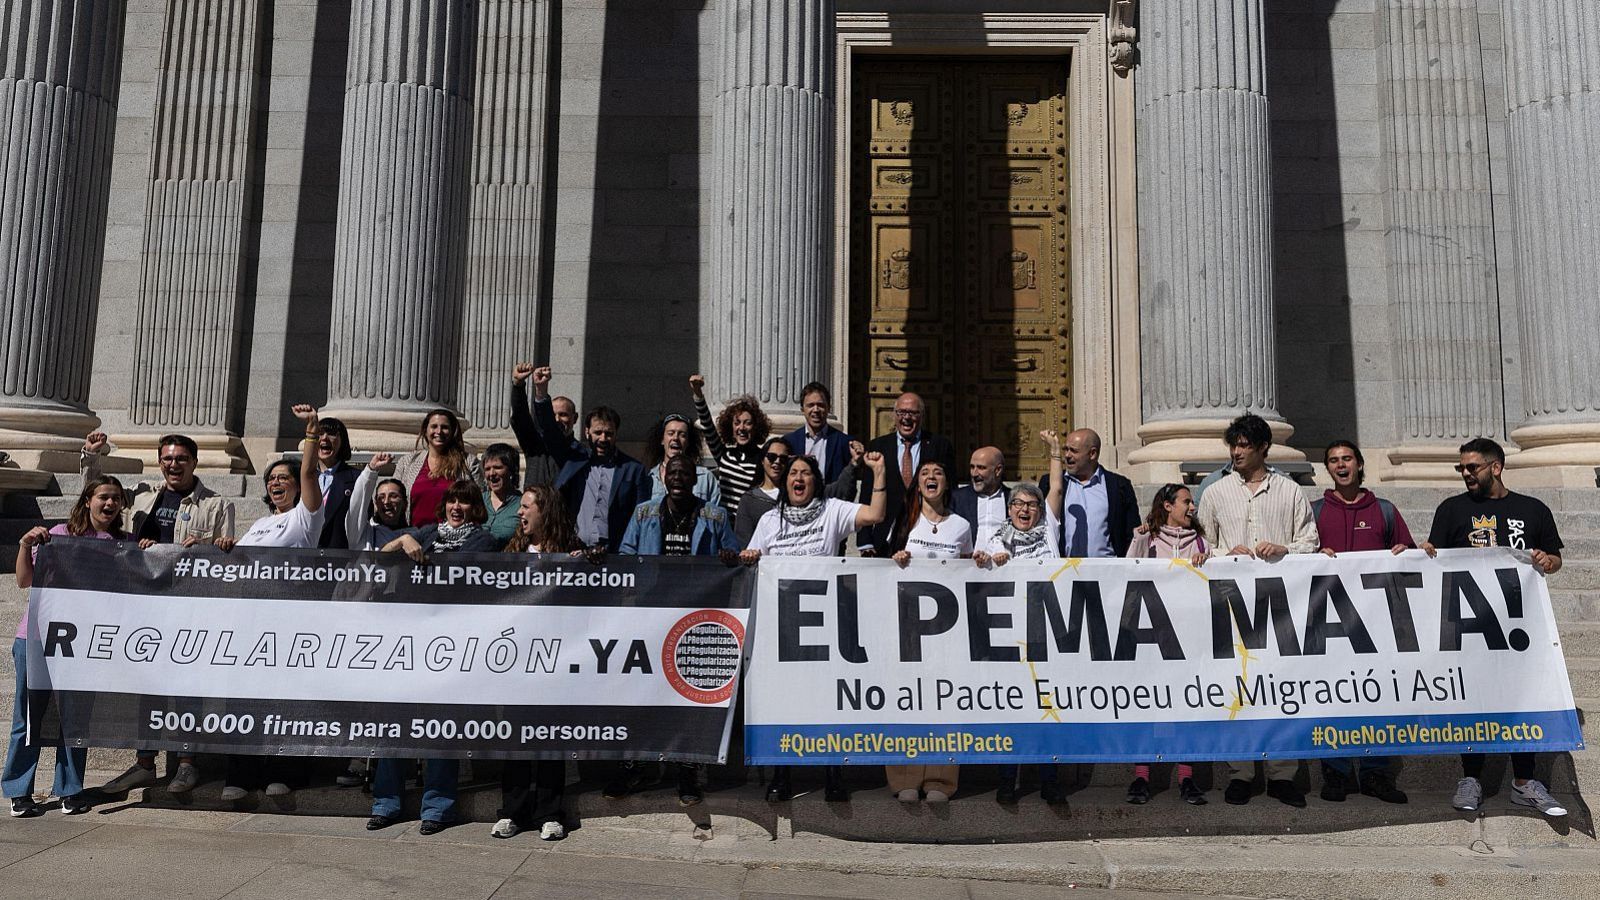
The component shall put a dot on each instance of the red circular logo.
(701, 655)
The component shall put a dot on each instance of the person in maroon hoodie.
(1351, 518)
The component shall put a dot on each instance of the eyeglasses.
(1023, 505)
(281, 476)
(908, 414)
(776, 457)
(176, 460)
(1470, 468)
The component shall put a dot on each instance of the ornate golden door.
(959, 251)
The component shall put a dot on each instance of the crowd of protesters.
(569, 489)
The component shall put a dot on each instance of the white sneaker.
(504, 828)
(137, 776)
(184, 780)
(278, 789)
(1469, 793)
(909, 795)
(938, 797)
(552, 831)
(1533, 793)
(233, 793)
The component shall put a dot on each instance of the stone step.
(1577, 575)
(1575, 606)
(1089, 813)
(245, 508)
(225, 484)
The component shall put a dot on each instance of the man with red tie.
(903, 449)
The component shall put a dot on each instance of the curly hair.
(760, 425)
(556, 534)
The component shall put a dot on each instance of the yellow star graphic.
(1050, 711)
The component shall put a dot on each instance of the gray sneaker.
(184, 780)
(1469, 793)
(1533, 794)
(137, 776)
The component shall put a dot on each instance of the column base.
(1423, 463)
(385, 430)
(1565, 455)
(218, 452)
(1169, 442)
(49, 438)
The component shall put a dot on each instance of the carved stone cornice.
(1123, 35)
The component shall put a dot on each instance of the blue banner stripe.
(1043, 742)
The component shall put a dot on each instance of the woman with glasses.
(1168, 532)
(763, 498)
(1028, 533)
(808, 523)
(735, 440)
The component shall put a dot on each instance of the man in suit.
(1100, 510)
(983, 502)
(539, 465)
(600, 484)
(817, 439)
(903, 449)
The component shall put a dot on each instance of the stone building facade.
(1360, 218)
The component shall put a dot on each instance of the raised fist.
(520, 372)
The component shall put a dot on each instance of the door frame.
(1102, 216)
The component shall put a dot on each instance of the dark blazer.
(837, 453)
(630, 484)
(338, 503)
(932, 446)
(964, 503)
(538, 465)
(1124, 512)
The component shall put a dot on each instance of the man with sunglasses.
(1489, 515)
(904, 450)
(177, 510)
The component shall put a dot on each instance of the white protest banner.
(331, 652)
(865, 662)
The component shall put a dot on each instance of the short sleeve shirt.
(295, 528)
(1515, 520)
(820, 537)
(158, 526)
(950, 539)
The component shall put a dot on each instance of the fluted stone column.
(1553, 95)
(190, 297)
(1441, 267)
(507, 207)
(401, 242)
(768, 316)
(59, 63)
(1205, 230)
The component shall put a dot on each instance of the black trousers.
(1522, 765)
(256, 772)
(530, 791)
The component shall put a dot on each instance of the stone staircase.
(1095, 808)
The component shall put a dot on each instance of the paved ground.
(134, 853)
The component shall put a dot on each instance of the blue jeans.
(439, 778)
(22, 759)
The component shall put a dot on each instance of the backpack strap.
(1389, 514)
(1316, 509)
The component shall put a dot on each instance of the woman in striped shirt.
(735, 440)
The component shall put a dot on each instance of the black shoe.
(779, 790)
(25, 808)
(1238, 792)
(1053, 793)
(378, 823)
(1006, 794)
(1190, 793)
(1139, 792)
(1334, 786)
(1379, 783)
(833, 789)
(1286, 793)
(626, 780)
(431, 826)
(74, 805)
(689, 793)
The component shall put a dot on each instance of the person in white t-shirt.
(1031, 518)
(295, 499)
(807, 523)
(929, 530)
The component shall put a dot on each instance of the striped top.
(1231, 516)
(738, 468)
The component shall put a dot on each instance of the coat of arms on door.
(897, 271)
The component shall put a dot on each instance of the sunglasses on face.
(776, 457)
(1470, 468)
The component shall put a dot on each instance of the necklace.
(675, 523)
(935, 522)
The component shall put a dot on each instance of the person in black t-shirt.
(1489, 515)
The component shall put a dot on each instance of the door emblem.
(1021, 269)
(897, 271)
